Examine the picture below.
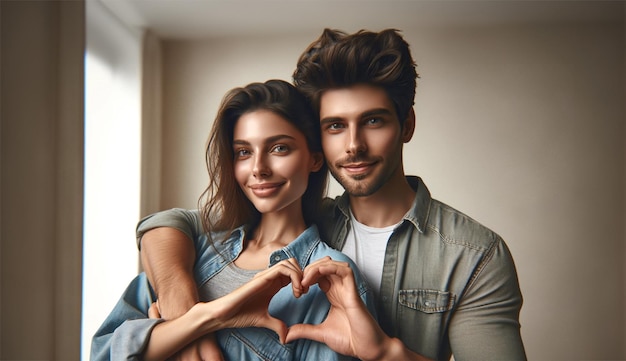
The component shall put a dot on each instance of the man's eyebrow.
(365, 114)
(377, 111)
(330, 120)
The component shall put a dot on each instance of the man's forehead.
(353, 100)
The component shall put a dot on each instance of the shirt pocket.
(427, 301)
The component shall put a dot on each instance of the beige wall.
(521, 126)
(41, 186)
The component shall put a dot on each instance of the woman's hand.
(244, 307)
(248, 305)
(204, 348)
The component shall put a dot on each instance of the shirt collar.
(300, 248)
(417, 214)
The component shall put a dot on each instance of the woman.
(267, 178)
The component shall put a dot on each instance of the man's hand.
(349, 328)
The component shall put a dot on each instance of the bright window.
(112, 165)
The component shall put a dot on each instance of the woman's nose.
(260, 169)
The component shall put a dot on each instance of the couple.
(443, 283)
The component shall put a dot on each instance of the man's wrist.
(396, 350)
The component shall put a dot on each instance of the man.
(445, 284)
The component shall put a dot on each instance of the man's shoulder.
(455, 227)
(329, 211)
(329, 203)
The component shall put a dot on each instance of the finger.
(326, 268)
(268, 281)
(209, 349)
(296, 282)
(302, 330)
(277, 326)
(290, 272)
(290, 263)
(153, 311)
(189, 353)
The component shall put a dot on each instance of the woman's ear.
(317, 161)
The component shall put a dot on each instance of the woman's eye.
(280, 148)
(241, 153)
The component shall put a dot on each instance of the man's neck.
(387, 206)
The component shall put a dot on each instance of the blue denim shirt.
(125, 332)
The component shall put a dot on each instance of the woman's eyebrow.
(271, 139)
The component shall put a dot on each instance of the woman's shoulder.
(323, 250)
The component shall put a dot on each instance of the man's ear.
(317, 161)
(409, 126)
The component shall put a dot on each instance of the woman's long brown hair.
(223, 205)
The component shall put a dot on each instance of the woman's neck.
(279, 229)
(274, 231)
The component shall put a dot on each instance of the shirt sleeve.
(486, 325)
(125, 332)
(187, 221)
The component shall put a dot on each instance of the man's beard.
(356, 185)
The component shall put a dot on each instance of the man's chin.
(358, 189)
(355, 185)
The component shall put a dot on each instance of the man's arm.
(165, 240)
(168, 256)
(486, 325)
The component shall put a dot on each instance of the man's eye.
(373, 121)
(335, 126)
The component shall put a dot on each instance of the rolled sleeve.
(186, 221)
(125, 332)
(130, 339)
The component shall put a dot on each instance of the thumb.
(302, 330)
(153, 311)
(277, 326)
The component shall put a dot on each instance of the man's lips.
(265, 189)
(357, 168)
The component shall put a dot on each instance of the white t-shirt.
(366, 246)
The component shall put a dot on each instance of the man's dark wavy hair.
(338, 60)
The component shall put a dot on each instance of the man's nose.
(356, 143)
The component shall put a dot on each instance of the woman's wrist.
(201, 317)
